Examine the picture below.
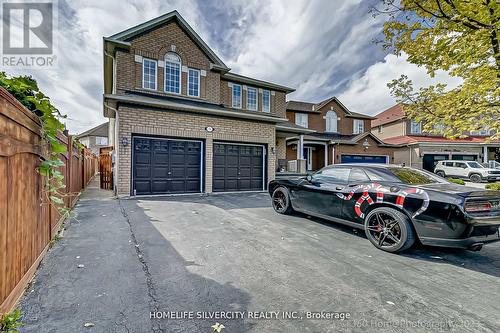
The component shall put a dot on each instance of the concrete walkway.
(107, 291)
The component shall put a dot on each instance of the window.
(460, 165)
(334, 175)
(101, 140)
(381, 129)
(415, 177)
(331, 122)
(448, 164)
(193, 82)
(358, 126)
(481, 132)
(266, 100)
(358, 175)
(251, 99)
(415, 127)
(301, 119)
(236, 96)
(149, 74)
(438, 128)
(172, 73)
(475, 165)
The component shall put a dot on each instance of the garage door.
(166, 166)
(363, 159)
(238, 167)
(429, 161)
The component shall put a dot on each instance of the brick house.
(95, 138)
(181, 121)
(340, 135)
(423, 150)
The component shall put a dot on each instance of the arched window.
(331, 122)
(172, 73)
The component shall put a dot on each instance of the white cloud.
(369, 93)
(314, 46)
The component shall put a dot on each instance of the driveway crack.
(153, 299)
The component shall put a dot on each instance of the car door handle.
(338, 188)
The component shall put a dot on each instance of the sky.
(322, 48)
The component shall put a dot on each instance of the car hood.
(459, 189)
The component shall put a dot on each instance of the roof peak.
(126, 34)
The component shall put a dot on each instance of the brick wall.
(317, 121)
(278, 99)
(155, 45)
(187, 125)
(358, 148)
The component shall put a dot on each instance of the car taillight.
(478, 206)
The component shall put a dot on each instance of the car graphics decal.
(379, 191)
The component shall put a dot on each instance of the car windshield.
(414, 176)
(475, 165)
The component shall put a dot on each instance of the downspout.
(114, 156)
(113, 89)
(409, 151)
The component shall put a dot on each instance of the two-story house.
(95, 138)
(423, 150)
(181, 121)
(341, 136)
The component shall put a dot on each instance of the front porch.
(314, 153)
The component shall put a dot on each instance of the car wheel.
(281, 200)
(389, 230)
(475, 178)
(441, 174)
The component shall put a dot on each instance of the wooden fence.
(26, 225)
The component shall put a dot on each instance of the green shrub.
(494, 186)
(456, 181)
(9, 322)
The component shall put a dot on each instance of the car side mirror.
(309, 178)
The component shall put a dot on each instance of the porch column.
(485, 154)
(300, 148)
(333, 154)
(326, 154)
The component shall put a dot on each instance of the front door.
(308, 154)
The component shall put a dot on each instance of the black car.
(395, 205)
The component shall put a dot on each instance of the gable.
(170, 37)
(159, 28)
(333, 105)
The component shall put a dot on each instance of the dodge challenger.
(395, 205)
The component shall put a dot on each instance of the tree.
(460, 37)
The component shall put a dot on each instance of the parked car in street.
(395, 205)
(471, 170)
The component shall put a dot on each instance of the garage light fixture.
(366, 144)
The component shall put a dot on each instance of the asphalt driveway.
(232, 253)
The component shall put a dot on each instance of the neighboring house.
(95, 138)
(424, 150)
(181, 121)
(341, 136)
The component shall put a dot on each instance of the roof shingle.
(388, 116)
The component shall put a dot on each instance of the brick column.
(209, 163)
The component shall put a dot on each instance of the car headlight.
(489, 172)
